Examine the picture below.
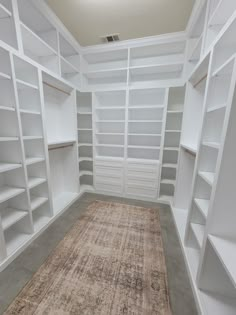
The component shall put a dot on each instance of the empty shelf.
(5, 76)
(30, 112)
(82, 173)
(3, 139)
(224, 249)
(4, 167)
(169, 165)
(33, 160)
(168, 181)
(216, 107)
(81, 159)
(213, 145)
(208, 177)
(4, 12)
(85, 144)
(32, 137)
(189, 147)
(84, 113)
(198, 231)
(14, 240)
(203, 205)
(8, 108)
(171, 149)
(166, 198)
(35, 181)
(23, 85)
(7, 192)
(11, 216)
(37, 202)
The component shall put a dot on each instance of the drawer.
(102, 186)
(142, 175)
(144, 183)
(109, 179)
(109, 163)
(141, 191)
(116, 172)
(144, 167)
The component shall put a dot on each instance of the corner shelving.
(85, 140)
(171, 143)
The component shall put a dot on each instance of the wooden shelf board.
(89, 159)
(5, 76)
(36, 202)
(169, 165)
(145, 134)
(203, 205)
(33, 43)
(6, 139)
(225, 68)
(24, 85)
(30, 112)
(110, 145)
(15, 240)
(207, 176)
(7, 192)
(189, 147)
(4, 12)
(143, 147)
(8, 108)
(35, 181)
(32, 137)
(224, 249)
(85, 144)
(145, 121)
(198, 231)
(33, 160)
(168, 182)
(70, 68)
(4, 167)
(172, 131)
(82, 173)
(213, 145)
(216, 107)
(84, 113)
(171, 149)
(146, 107)
(11, 216)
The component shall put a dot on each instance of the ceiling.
(89, 20)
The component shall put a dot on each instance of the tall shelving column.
(30, 108)
(15, 215)
(171, 143)
(85, 139)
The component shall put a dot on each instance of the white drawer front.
(147, 167)
(109, 163)
(109, 171)
(146, 183)
(141, 191)
(103, 185)
(132, 174)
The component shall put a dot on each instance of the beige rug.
(110, 263)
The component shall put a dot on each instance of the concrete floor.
(20, 271)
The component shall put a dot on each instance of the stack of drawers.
(142, 178)
(109, 175)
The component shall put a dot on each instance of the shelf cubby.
(64, 176)
(39, 36)
(69, 54)
(112, 150)
(60, 110)
(157, 54)
(144, 152)
(7, 24)
(115, 139)
(37, 174)
(144, 140)
(104, 78)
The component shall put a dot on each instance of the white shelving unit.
(171, 143)
(85, 140)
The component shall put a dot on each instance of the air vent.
(110, 38)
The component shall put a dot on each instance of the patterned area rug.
(110, 263)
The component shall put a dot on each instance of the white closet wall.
(150, 119)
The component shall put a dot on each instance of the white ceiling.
(88, 20)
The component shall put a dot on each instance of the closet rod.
(198, 82)
(189, 152)
(55, 87)
(61, 147)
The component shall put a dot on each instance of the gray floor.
(14, 277)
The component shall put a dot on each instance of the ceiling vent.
(110, 38)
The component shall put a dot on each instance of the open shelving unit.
(85, 140)
(39, 36)
(172, 136)
(7, 24)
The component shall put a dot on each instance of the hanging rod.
(198, 82)
(189, 152)
(61, 147)
(55, 87)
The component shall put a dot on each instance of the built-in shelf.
(171, 149)
(7, 108)
(168, 181)
(198, 231)
(216, 107)
(30, 112)
(36, 202)
(57, 144)
(7, 193)
(32, 137)
(6, 139)
(85, 144)
(224, 249)
(213, 145)
(4, 76)
(11, 216)
(208, 177)
(82, 159)
(203, 206)
(24, 85)
(4, 167)
(4, 12)
(170, 165)
(82, 173)
(34, 160)
(35, 181)
(192, 149)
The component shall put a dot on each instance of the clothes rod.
(61, 147)
(198, 82)
(55, 87)
(189, 152)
